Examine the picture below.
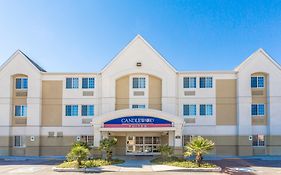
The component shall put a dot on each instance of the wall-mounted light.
(138, 64)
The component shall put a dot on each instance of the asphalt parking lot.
(230, 166)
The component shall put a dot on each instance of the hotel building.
(144, 102)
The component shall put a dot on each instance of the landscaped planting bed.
(174, 161)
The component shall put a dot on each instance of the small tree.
(198, 147)
(166, 151)
(106, 145)
(78, 153)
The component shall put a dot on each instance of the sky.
(84, 35)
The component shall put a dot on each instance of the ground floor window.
(186, 139)
(88, 139)
(258, 140)
(18, 141)
(143, 145)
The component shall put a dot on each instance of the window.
(87, 110)
(89, 140)
(72, 83)
(18, 141)
(206, 109)
(138, 106)
(189, 82)
(71, 110)
(258, 140)
(88, 83)
(257, 82)
(189, 110)
(138, 83)
(206, 82)
(257, 110)
(21, 83)
(186, 139)
(20, 110)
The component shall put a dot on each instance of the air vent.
(88, 93)
(189, 120)
(189, 93)
(138, 93)
(257, 92)
(21, 93)
(20, 120)
(86, 120)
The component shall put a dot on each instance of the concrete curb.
(99, 170)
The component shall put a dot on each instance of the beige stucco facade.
(144, 102)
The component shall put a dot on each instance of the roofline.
(25, 56)
(70, 73)
(126, 47)
(208, 72)
(261, 50)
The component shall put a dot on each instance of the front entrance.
(142, 145)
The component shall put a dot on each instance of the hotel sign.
(137, 122)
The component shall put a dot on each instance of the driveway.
(141, 166)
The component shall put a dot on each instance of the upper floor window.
(87, 110)
(206, 109)
(72, 83)
(21, 83)
(206, 82)
(257, 110)
(189, 110)
(257, 82)
(189, 82)
(88, 83)
(258, 140)
(20, 110)
(71, 110)
(139, 82)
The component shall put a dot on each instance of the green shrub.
(78, 153)
(89, 163)
(72, 164)
(166, 151)
(106, 145)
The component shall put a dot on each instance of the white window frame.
(206, 105)
(258, 142)
(88, 82)
(258, 115)
(86, 138)
(206, 78)
(139, 77)
(21, 111)
(189, 105)
(88, 113)
(22, 87)
(190, 82)
(139, 106)
(22, 144)
(258, 82)
(72, 111)
(72, 83)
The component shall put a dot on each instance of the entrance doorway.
(142, 145)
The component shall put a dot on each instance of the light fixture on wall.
(138, 64)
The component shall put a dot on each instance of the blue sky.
(83, 36)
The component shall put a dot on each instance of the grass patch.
(89, 163)
(174, 161)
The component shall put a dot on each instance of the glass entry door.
(140, 145)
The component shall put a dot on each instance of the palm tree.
(198, 146)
